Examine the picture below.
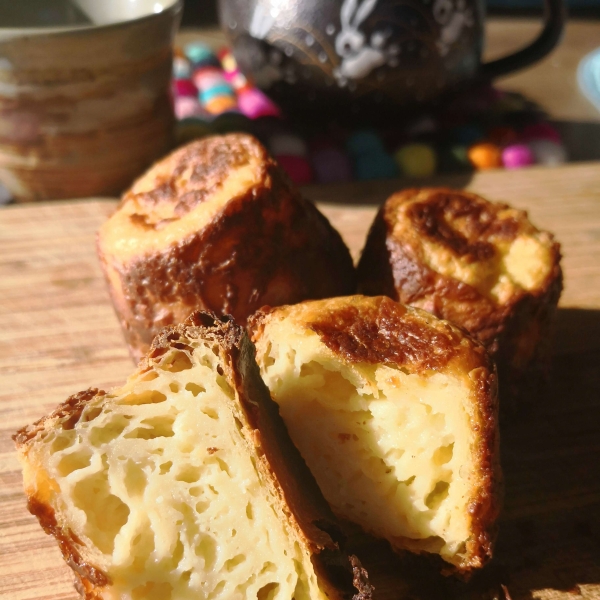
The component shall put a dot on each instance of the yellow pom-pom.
(416, 160)
(485, 155)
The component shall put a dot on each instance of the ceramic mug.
(85, 105)
(332, 53)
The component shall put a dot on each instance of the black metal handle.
(556, 15)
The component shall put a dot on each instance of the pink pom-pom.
(186, 106)
(207, 78)
(541, 131)
(297, 167)
(516, 156)
(185, 87)
(254, 104)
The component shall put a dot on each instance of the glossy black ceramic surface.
(368, 52)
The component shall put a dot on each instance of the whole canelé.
(216, 226)
(479, 264)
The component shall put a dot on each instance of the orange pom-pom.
(220, 104)
(485, 155)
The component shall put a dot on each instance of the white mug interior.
(18, 17)
(115, 11)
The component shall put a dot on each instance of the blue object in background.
(371, 161)
(364, 141)
(201, 55)
(375, 166)
(588, 76)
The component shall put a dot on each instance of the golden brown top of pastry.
(365, 329)
(489, 246)
(189, 175)
(216, 225)
(183, 191)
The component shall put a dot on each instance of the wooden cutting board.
(58, 335)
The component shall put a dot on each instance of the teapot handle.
(556, 15)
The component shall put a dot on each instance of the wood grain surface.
(58, 335)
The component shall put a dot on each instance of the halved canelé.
(395, 413)
(184, 483)
(216, 226)
(479, 264)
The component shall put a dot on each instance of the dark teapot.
(334, 54)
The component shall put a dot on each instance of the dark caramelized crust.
(90, 579)
(188, 176)
(462, 223)
(361, 580)
(361, 330)
(216, 226)
(279, 463)
(68, 413)
(384, 331)
(476, 263)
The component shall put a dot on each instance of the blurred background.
(134, 102)
(204, 12)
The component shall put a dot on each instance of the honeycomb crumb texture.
(390, 450)
(160, 483)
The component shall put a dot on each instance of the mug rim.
(10, 33)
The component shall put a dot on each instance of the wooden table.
(551, 82)
(58, 335)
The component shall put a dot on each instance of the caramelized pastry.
(479, 264)
(217, 226)
(184, 483)
(395, 413)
